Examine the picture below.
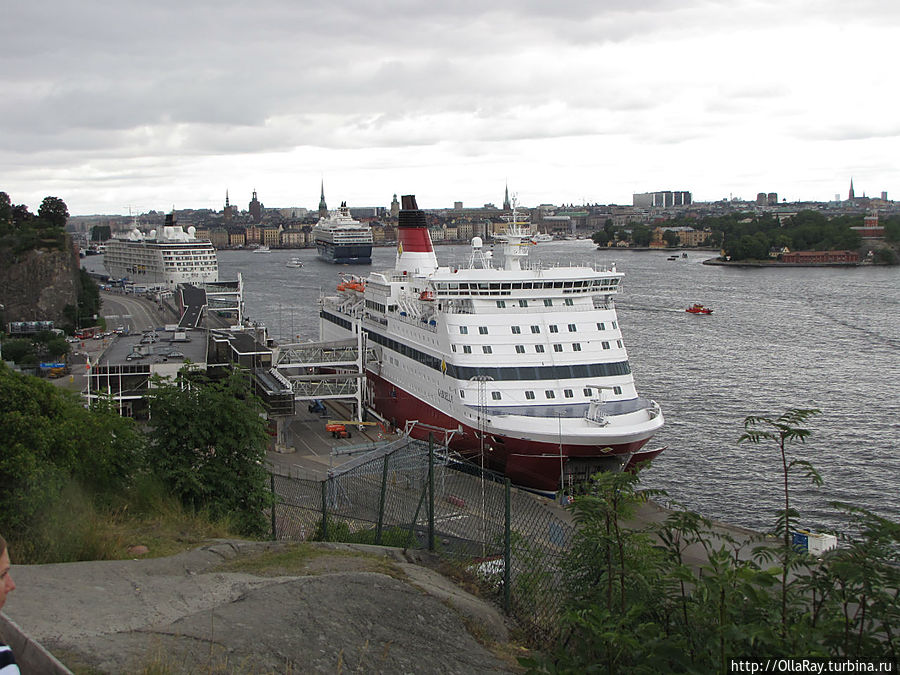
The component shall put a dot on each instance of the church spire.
(852, 194)
(323, 207)
(506, 204)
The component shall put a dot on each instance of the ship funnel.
(415, 255)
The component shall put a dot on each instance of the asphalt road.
(133, 312)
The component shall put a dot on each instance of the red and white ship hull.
(523, 367)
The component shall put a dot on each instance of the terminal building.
(661, 200)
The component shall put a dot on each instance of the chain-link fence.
(412, 494)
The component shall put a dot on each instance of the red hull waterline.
(537, 465)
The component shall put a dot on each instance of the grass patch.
(76, 527)
(302, 558)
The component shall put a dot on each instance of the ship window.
(467, 349)
(605, 344)
(617, 390)
(539, 349)
(568, 393)
(517, 286)
(464, 330)
(486, 349)
(567, 284)
(523, 303)
(601, 326)
(576, 346)
(535, 329)
(501, 304)
(573, 328)
(453, 348)
(569, 302)
(557, 284)
(554, 329)
(482, 330)
(495, 395)
(516, 330)
(520, 349)
(526, 373)
(529, 395)
(462, 394)
(615, 325)
(587, 391)
(557, 348)
(549, 393)
(526, 285)
(619, 343)
(548, 302)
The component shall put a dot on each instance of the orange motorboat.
(697, 308)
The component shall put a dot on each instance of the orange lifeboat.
(426, 295)
(697, 308)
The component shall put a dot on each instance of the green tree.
(782, 431)
(53, 212)
(19, 350)
(671, 238)
(100, 233)
(50, 440)
(207, 443)
(5, 214)
(641, 235)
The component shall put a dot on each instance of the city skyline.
(131, 106)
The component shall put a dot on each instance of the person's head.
(7, 585)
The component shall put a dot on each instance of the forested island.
(754, 236)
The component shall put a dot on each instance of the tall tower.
(852, 194)
(395, 207)
(323, 207)
(228, 212)
(506, 204)
(255, 209)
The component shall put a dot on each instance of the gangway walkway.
(325, 370)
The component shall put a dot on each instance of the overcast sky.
(115, 104)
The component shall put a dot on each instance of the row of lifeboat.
(352, 285)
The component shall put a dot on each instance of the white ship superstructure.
(521, 363)
(165, 258)
(342, 239)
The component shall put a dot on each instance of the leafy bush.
(207, 443)
(49, 439)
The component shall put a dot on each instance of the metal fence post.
(381, 500)
(325, 510)
(507, 546)
(272, 487)
(430, 491)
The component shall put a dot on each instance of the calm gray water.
(778, 338)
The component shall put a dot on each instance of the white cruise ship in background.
(341, 239)
(162, 258)
(522, 365)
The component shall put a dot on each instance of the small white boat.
(262, 249)
(294, 262)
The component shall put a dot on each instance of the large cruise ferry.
(521, 365)
(165, 258)
(341, 239)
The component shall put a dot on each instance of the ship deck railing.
(452, 308)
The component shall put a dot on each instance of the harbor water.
(826, 338)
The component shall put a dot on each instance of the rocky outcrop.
(36, 285)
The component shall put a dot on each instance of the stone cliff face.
(37, 285)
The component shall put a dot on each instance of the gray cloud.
(142, 84)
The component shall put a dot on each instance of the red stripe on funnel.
(415, 240)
